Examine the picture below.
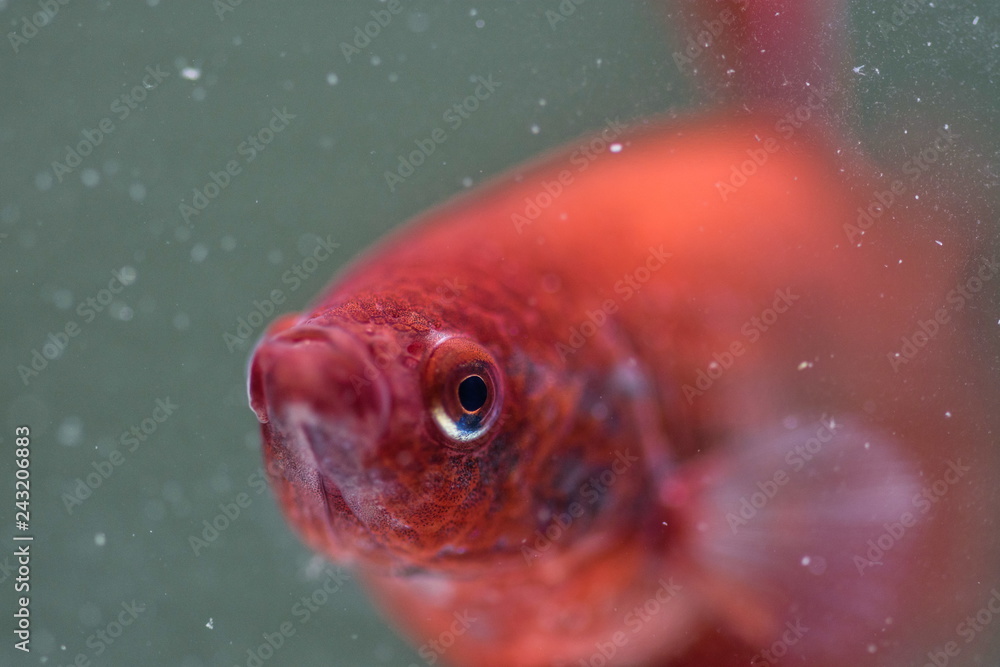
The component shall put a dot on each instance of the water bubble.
(70, 432)
(90, 177)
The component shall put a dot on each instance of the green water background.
(228, 68)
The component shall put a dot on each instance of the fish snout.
(319, 380)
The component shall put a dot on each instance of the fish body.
(635, 402)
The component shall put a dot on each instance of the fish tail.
(799, 537)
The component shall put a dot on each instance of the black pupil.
(472, 393)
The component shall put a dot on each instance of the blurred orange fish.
(649, 400)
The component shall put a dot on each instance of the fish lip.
(321, 366)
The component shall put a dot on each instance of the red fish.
(651, 410)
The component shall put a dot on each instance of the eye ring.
(463, 391)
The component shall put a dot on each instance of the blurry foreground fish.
(643, 410)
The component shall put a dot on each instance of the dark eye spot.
(472, 393)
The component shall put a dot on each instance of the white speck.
(868, 445)
(90, 177)
(70, 433)
(127, 275)
(418, 21)
(100, 539)
(615, 148)
(713, 365)
(535, 129)
(332, 78)
(948, 415)
(137, 192)
(473, 12)
(857, 70)
(975, 21)
(938, 242)
(804, 365)
(121, 312)
(211, 623)
(63, 299)
(805, 561)
(199, 252)
(191, 73)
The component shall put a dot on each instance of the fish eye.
(473, 393)
(463, 391)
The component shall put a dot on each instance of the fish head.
(390, 436)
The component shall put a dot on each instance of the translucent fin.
(781, 528)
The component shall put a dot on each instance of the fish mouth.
(318, 387)
(328, 370)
